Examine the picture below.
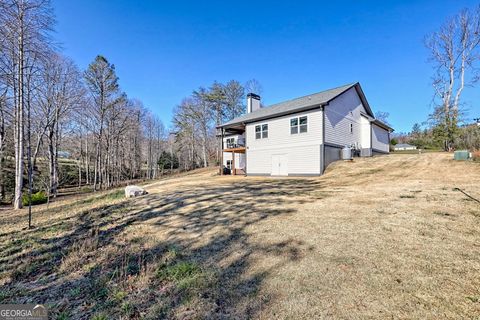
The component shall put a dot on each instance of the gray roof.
(382, 124)
(296, 105)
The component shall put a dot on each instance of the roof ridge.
(349, 85)
(296, 104)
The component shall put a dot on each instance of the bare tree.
(186, 137)
(5, 115)
(25, 28)
(61, 92)
(216, 99)
(382, 116)
(234, 94)
(253, 86)
(154, 132)
(454, 54)
(160, 141)
(44, 110)
(200, 112)
(102, 81)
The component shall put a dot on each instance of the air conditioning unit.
(347, 153)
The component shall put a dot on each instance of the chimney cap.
(253, 95)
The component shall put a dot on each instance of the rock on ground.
(134, 191)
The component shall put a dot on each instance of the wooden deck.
(235, 150)
(235, 171)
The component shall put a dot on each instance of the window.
(230, 143)
(229, 164)
(351, 127)
(298, 125)
(303, 124)
(261, 131)
(294, 126)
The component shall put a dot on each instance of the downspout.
(232, 170)
(322, 150)
(371, 139)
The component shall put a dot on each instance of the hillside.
(384, 237)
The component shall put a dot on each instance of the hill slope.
(382, 237)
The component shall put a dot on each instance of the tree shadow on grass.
(200, 263)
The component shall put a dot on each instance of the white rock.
(134, 191)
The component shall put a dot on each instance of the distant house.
(302, 136)
(64, 154)
(404, 146)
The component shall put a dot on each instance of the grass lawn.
(382, 237)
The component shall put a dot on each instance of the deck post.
(221, 152)
(245, 145)
(233, 163)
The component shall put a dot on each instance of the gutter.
(277, 115)
(382, 125)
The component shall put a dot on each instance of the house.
(301, 137)
(64, 154)
(404, 146)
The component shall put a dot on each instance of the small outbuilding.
(404, 146)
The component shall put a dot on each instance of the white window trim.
(229, 166)
(298, 124)
(232, 142)
(261, 131)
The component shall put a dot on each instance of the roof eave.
(383, 125)
(365, 103)
(355, 85)
(276, 115)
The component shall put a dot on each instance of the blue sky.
(165, 49)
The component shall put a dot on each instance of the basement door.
(279, 165)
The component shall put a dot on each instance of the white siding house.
(343, 119)
(289, 150)
(380, 139)
(365, 135)
(302, 136)
(231, 159)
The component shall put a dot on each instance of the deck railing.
(240, 143)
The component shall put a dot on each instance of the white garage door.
(279, 165)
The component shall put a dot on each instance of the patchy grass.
(178, 272)
(381, 237)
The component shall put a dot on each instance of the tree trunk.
(51, 162)
(79, 163)
(29, 164)
(87, 165)
(17, 202)
(97, 172)
(2, 147)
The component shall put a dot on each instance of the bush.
(37, 198)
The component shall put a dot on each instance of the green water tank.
(461, 155)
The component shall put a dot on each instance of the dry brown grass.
(383, 237)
